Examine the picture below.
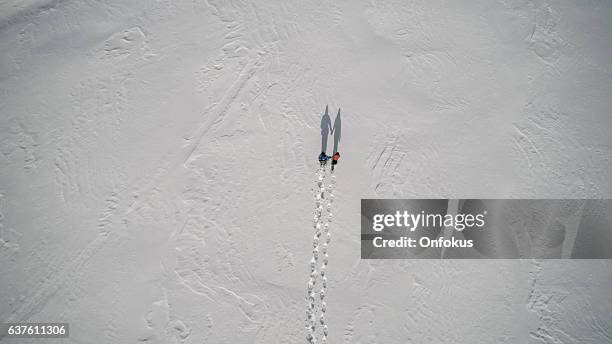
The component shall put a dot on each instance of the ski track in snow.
(156, 164)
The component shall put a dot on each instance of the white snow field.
(158, 164)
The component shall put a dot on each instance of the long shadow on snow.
(325, 129)
(337, 131)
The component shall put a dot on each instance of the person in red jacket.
(335, 159)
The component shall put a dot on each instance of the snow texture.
(156, 164)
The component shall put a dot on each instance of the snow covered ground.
(158, 162)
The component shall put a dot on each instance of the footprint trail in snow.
(322, 219)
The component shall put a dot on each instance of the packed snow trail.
(310, 306)
(323, 269)
(321, 223)
(317, 224)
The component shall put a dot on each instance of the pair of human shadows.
(327, 128)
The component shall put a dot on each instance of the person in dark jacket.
(323, 158)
